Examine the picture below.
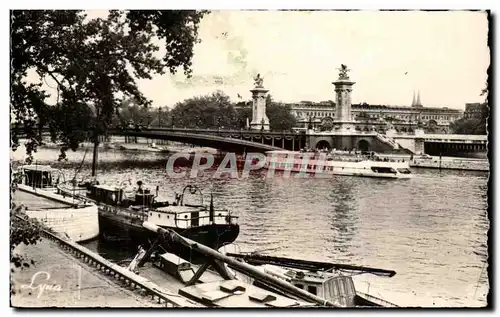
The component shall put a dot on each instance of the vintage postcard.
(249, 159)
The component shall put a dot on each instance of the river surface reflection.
(431, 229)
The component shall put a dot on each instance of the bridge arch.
(321, 144)
(210, 138)
(364, 145)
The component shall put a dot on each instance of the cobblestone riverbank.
(59, 280)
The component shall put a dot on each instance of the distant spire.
(419, 103)
(414, 100)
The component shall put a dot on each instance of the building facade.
(378, 117)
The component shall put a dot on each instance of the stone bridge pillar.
(259, 117)
(343, 88)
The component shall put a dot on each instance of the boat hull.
(78, 222)
(366, 300)
(323, 166)
(118, 229)
(343, 172)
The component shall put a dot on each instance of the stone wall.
(456, 164)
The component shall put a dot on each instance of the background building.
(379, 117)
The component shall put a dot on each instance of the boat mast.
(95, 155)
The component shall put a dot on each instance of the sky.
(444, 55)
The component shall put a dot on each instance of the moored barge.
(121, 215)
(73, 217)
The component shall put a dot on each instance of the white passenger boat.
(324, 164)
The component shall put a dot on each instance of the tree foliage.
(477, 124)
(469, 126)
(22, 231)
(209, 112)
(129, 112)
(280, 116)
(217, 111)
(95, 65)
(244, 114)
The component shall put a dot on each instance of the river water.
(431, 229)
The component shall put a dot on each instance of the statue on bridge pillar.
(259, 81)
(259, 117)
(343, 70)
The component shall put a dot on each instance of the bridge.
(261, 141)
(226, 140)
(241, 141)
(452, 144)
(443, 144)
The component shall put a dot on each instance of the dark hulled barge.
(121, 216)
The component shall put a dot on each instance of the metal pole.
(248, 269)
(159, 117)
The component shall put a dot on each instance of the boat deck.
(34, 202)
(212, 290)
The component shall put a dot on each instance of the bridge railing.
(456, 137)
(211, 131)
(387, 140)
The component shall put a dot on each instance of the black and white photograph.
(208, 158)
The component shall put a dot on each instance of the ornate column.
(259, 117)
(343, 88)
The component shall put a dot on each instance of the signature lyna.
(36, 284)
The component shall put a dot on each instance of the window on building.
(312, 289)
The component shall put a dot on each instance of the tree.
(243, 113)
(95, 64)
(208, 112)
(463, 126)
(22, 231)
(476, 125)
(280, 116)
(470, 126)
